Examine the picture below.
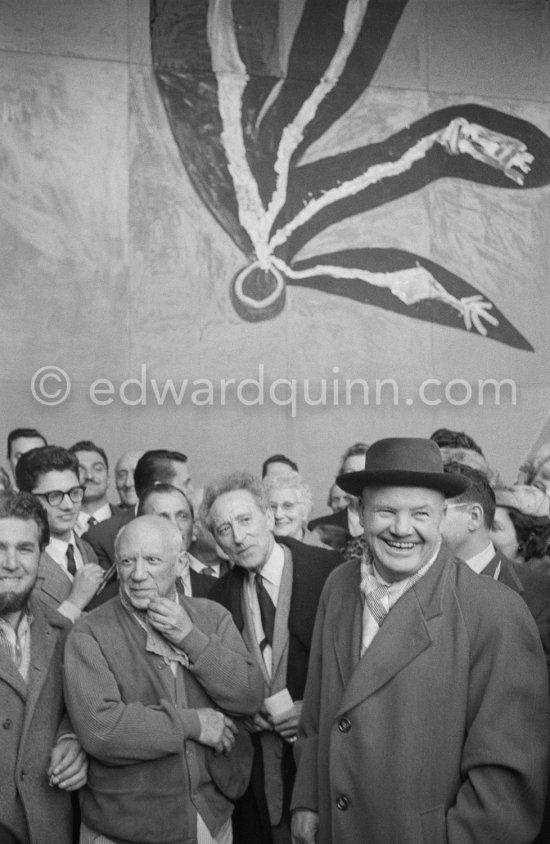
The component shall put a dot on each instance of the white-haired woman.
(291, 501)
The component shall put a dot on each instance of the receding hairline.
(163, 526)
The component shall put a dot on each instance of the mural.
(250, 85)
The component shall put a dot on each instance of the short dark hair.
(533, 534)
(445, 438)
(39, 461)
(479, 491)
(24, 506)
(28, 433)
(278, 458)
(160, 489)
(155, 467)
(88, 445)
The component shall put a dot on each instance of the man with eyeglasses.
(68, 574)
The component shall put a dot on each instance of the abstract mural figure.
(250, 85)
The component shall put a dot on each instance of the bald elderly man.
(154, 681)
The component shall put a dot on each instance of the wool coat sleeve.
(306, 749)
(112, 730)
(505, 754)
(222, 664)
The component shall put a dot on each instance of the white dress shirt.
(100, 515)
(272, 572)
(482, 560)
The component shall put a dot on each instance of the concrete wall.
(114, 267)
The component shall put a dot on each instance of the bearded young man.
(42, 761)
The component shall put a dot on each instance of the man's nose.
(277, 511)
(238, 534)
(9, 560)
(401, 524)
(66, 503)
(140, 569)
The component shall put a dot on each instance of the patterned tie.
(210, 570)
(267, 612)
(373, 600)
(71, 564)
(92, 521)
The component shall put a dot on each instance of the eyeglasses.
(56, 496)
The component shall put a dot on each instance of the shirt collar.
(480, 561)
(272, 570)
(57, 548)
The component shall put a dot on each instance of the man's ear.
(181, 561)
(477, 516)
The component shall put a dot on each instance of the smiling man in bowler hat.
(424, 715)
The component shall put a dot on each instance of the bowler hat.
(404, 461)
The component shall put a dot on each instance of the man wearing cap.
(425, 710)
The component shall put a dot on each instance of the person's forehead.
(13, 529)
(235, 502)
(285, 494)
(24, 444)
(502, 515)
(142, 537)
(89, 457)
(166, 501)
(405, 496)
(53, 480)
(354, 463)
(128, 461)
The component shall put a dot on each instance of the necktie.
(267, 612)
(92, 521)
(71, 564)
(210, 570)
(373, 600)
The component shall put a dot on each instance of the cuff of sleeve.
(194, 643)
(69, 611)
(191, 724)
(66, 736)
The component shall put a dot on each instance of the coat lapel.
(348, 625)
(11, 676)
(280, 632)
(52, 580)
(403, 636)
(43, 642)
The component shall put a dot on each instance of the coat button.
(344, 725)
(22, 775)
(161, 666)
(7, 724)
(342, 802)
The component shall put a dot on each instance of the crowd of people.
(212, 666)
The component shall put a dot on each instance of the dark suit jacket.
(102, 536)
(533, 584)
(340, 519)
(311, 567)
